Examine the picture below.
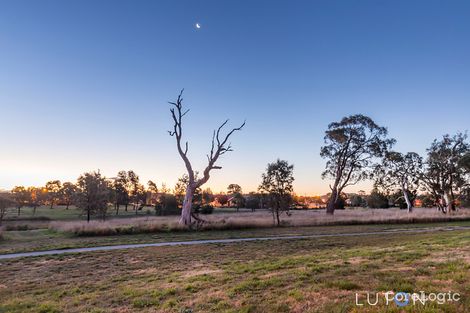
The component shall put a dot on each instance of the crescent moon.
(198, 26)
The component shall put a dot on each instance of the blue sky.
(84, 85)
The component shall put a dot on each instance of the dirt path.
(224, 241)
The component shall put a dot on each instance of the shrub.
(168, 206)
(357, 201)
(377, 200)
(207, 209)
(252, 203)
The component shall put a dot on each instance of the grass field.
(45, 239)
(308, 275)
(320, 275)
(59, 212)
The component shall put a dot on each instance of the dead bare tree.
(220, 146)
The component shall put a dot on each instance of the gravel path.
(226, 241)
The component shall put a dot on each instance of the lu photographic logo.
(402, 299)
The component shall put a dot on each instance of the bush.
(377, 200)
(253, 203)
(206, 209)
(357, 201)
(341, 203)
(168, 206)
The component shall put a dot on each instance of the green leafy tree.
(443, 176)
(207, 196)
(234, 188)
(152, 193)
(93, 194)
(377, 200)
(68, 192)
(357, 200)
(137, 191)
(6, 201)
(167, 203)
(120, 188)
(181, 188)
(37, 196)
(465, 162)
(235, 191)
(351, 147)
(253, 201)
(222, 199)
(53, 191)
(21, 196)
(400, 172)
(277, 183)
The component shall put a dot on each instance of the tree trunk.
(117, 209)
(187, 206)
(67, 207)
(330, 209)
(88, 216)
(409, 205)
(126, 207)
(449, 202)
(19, 209)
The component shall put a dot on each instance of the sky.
(85, 85)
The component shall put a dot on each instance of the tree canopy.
(277, 183)
(351, 147)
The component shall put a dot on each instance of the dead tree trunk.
(220, 145)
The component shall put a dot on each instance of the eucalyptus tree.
(277, 183)
(93, 193)
(443, 176)
(235, 191)
(6, 201)
(121, 190)
(21, 196)
(402, 172)
(207, 196)
(351, 148)
(222, 199)
(136, 190)
(234, 188)
(220, 145)
(53, 188)
(37, 197)
(152, 192)
(67, 193)
(464, 162)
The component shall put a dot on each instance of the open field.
(70, 220)
(45, 239)
(314, 275)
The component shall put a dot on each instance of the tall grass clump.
(259, 219)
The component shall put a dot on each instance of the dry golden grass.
(260, 219)
(299, 276)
